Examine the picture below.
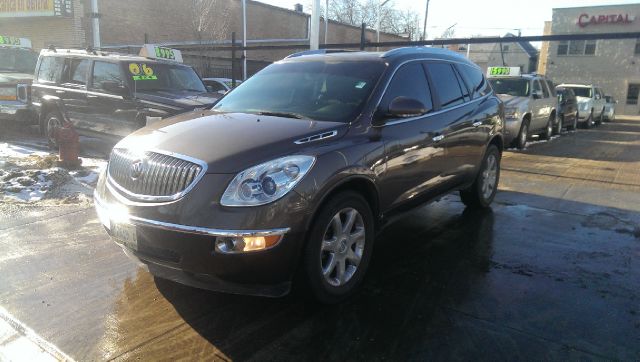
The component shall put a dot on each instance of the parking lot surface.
(551, 271)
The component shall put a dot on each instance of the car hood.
(229, 142)
(178, 101)
(15, 78)
(513, 101)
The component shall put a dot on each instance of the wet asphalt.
(550, 272)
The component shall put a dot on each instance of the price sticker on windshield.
(141, 72)
(15, 41)
(503, 71)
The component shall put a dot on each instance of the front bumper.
(185, 253)
(16, 110)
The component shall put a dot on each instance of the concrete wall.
(614, 65)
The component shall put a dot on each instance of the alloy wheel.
(489, 176)
(342, 247)
(52, 123)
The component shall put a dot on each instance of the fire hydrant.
(69, 146)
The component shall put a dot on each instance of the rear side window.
(475, 79)
(78, 71)
(105, 72)
(445, 82)
(50, 70)
(409, 81)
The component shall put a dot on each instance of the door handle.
(438, 138)
(476, 124)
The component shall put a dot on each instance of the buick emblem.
(137, 167)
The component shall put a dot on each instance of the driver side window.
(410, 81)
(536, 86)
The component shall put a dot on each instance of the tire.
(600, 118)
(574, 125)
(352, 250)
(548, 132)
(558, 129)
(523, 135)
(588, 124)
(52, 120)
(483, 190)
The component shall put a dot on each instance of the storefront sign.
(586, 19)
(35, 8)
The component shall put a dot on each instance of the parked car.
(609, 108)
(111, 95)
(299, 167)
(530, 106)
(567, 109)
(590, 103)
(220, 85)
(17, 63)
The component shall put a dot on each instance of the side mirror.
(210, 89)
(616, 102)
(537, 94)
(404, 107)
(115, 88)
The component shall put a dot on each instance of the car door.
(539, 110)
(74, 96)
(112, 114)
(549, 99)
(464, 135)
(415, 156)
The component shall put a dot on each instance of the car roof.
(101, 55)
(576, 85)
(391, 57)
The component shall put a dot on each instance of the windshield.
(164, 77)
(514, 87)
(18, 60)
(310, 89)
(582, 91)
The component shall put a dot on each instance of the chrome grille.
(159, 176)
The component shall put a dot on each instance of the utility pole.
(315, 26)
(378, 13)
(95, 23)
(424, 28)
(244, 39)
(326, 20)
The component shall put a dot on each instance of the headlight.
(266, 182)
(584, 106)
(511, 112)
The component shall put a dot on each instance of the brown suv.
(294, 172)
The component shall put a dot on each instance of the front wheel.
(589, 123)
(560, 124)
(523, 136)
(339, 248)
(484, 188)
(548, 132)
(52, 121)
(574, 125)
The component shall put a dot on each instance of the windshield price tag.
(503, 71)
(160, 52)
(15, 42)
(141, 72)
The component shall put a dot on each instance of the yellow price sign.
(148, 71)
(134, 68)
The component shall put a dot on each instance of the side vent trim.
(316, 137)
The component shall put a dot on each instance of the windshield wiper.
(282, 114)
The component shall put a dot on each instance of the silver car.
(530, 106)
(590, 103)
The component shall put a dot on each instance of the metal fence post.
(233, 59)
(362, 36)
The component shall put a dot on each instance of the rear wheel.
(484, 188)
(339, 248)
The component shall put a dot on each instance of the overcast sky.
(480, 17)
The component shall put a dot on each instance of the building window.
(637, 50)
(577, 47)
(562, 47)
(632, 93)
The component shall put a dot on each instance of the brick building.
(126, 25)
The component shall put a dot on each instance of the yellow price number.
(134, 69)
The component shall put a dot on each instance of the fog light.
(232, 245)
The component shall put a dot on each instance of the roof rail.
(420, 49)
(319, 51)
